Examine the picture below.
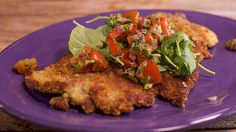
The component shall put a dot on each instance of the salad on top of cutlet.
(142, 47)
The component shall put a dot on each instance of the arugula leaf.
(177, 54)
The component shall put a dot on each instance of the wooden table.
(20, 17)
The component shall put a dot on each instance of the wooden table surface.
(21, 17)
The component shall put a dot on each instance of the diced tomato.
(149, 39)
(130, 40)
(84, 54)
(164, 25)
(89, 54)
(114, 33)
(133, 15)
(141, 58)
(155, 32)
(133, 28)
(155, 21)
(152, 70)
(114, 47)
(139, 25)
(100, 60)
(155, 36)
(119, 34)
(126, 59)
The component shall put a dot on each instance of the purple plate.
(51, 43)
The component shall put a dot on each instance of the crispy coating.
(26, 66)
(176, 90)
(118, 95)
(59, 103)
(52, 79)
(105, 91)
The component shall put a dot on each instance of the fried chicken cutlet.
(112, 93)
(102, 90)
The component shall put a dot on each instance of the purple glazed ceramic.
(51, 43)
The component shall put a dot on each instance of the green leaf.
(81, 36)
(177, 54)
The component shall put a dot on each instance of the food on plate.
(231, 44)
(106, 90)
(126, 63)
(202, 37)
(26, 66)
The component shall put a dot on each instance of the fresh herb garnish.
(176, 54)
(130, 73)
(93, 38)
(81, 36)
(156, 48)
(205, 69)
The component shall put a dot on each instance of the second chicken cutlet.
(104, 91)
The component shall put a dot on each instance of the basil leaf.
(81, 36)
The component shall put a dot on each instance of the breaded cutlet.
(105, 91)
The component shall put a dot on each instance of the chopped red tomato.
(130, 40)
(149, 39)
(89, 60)
(133, 28)
(114, 47)
(119, 32)
(141, 58)
(125, 58)
(155, 21)
(152, 70)
(130, 31)
(164, 25)
(133, 15)
(155, 32)
(99, 59)
(114, 33)
(155, 36)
